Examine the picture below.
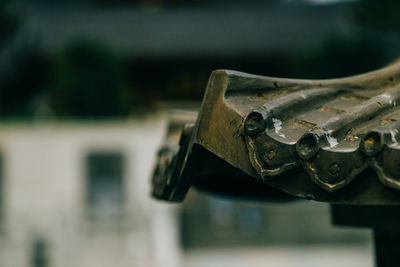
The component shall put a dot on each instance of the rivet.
(271, 154)
(307, 146)
(254, 123)
(372, 143)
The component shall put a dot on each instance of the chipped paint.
(278, 127)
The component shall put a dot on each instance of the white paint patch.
(393, 134)
(388, 97)
(278, 127)
(331, 140)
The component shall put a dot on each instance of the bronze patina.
(331, 140)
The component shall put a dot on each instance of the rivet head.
(334, 169)
(254, 123)
(307, 146)
(271, 154)
(372, 143)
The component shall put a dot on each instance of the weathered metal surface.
(331, 140)
(170, 155)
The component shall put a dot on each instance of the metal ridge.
(333, 140)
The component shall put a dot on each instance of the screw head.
(254, 123)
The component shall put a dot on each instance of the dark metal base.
(387, 248)
(383, 220)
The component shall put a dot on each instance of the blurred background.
(86, 89)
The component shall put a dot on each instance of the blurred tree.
(383, 14)
(338, 56)
(9, 23)
(88, 81)
(22, 67)
(23, 74)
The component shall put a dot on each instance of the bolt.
(334, 169)
(254, 123)
(271, 154)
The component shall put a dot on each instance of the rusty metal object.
(331, 140)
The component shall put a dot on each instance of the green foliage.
(88, 79)
(383, 14)
(339, 56)
(8, 23)
(22, 69)
(89, 82)
(21, 82)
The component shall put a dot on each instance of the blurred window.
(105, 179)
(215, 222)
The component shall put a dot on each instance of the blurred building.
(77, 194)
(219, 231)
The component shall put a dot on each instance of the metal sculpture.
(336, 141)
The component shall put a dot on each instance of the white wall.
(44, 186)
